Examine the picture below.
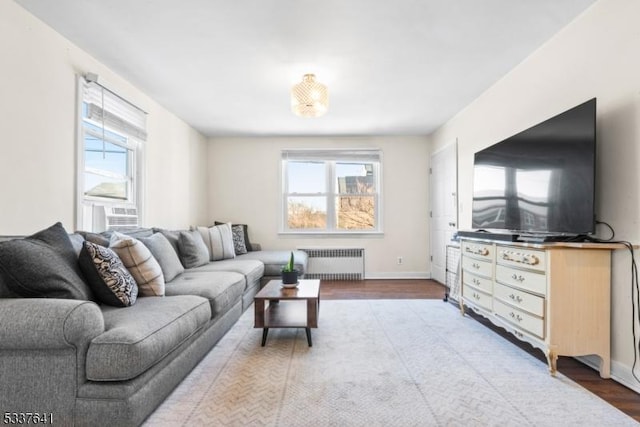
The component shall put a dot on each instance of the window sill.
(331, 234)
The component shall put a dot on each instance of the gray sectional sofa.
(85, 363)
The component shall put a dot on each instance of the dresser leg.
(552, 360)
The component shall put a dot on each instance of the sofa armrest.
(46, 323)
(255, 247)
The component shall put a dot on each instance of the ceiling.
(393, 67)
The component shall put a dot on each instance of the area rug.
(379, 363)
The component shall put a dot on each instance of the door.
(443, 202)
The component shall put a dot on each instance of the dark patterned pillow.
(240, 237)
(110, 280)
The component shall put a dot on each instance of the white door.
(443, 206)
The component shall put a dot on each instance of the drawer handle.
(518, 278)
(516, 317)
(520, 257)
(477, 251)
(476, 281)
(476, 296)
(519, 334)
(515, 298)
(476, 266)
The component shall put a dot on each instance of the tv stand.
(555, 296)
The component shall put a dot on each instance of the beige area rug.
(379, 363)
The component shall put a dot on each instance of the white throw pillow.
(137, 258)
(219, 241)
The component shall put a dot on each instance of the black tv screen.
(541, 180)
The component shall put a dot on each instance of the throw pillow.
(108, 277)
(245, 235)
(172, 236)
(137, 258)
(43, 265)
(193, 250)
(220, 241)
(164, 253)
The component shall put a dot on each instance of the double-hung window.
(111, 134)
(331, 191)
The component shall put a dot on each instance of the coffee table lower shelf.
(287, 314)
(287, 308)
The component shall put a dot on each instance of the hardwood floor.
(616, 394)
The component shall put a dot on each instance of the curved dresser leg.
(552, 360)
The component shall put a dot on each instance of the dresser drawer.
(475, 297)
(527, 280)
(522, 300)
(525, 321)
(524, 258)
(476, 266)
(482, 283)
(478, 250)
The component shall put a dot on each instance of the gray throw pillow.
(43, 265)
(108, 277)
(165, 254)
(193, 251)
(172, 236)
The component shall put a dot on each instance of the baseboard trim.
(396, 275)
(620, 372)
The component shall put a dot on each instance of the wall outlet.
(399, 260)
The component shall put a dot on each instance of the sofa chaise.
(82, 362)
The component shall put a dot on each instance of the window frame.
(135, 136)
(330, 158)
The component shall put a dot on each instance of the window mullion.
(331, 196)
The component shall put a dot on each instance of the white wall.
(597, 55)
(37, 134)
(244, 187)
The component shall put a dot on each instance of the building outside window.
(331, 191)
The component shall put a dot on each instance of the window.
(111, 134)
(331, 191)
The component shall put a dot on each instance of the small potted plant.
(289, 273)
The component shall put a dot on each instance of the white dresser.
(555, 296)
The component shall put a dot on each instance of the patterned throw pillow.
(238, 239)
(239, 235)
(141, 264)
(107, 276)
(219, 241)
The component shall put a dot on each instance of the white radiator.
(335, 263)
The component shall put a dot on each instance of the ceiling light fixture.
(309, 98)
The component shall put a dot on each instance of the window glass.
(335, 194)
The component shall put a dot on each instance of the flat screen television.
(540, 181)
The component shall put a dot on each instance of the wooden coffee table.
(287, 307)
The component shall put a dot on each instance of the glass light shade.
(309, 98)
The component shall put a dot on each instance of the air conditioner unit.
(114, 218)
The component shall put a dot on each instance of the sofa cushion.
(222, 289)
(140, 263)
(275, 260)
(110, 281)
(219, 241)
(43, 265)
(193, 250)
(164, 253)
(251, 269)
(138, 337)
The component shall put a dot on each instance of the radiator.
(335, 263)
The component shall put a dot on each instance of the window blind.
(107, 108)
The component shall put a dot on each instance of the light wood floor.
(616, 394)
